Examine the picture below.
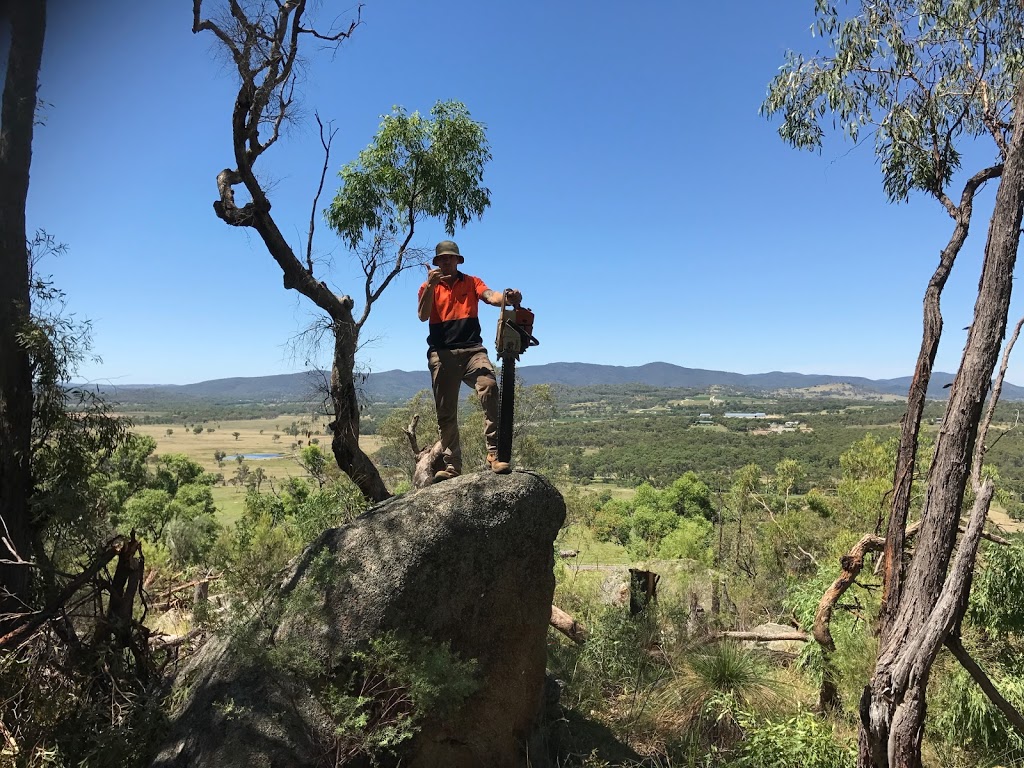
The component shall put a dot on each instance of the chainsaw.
(515, 336)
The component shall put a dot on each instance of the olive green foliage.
(174, 506)
(867, 469)
(66, 698)
(963, 716)
(770, 534)
(535, 404)
(680, 511)
(317, 463)
(921, 76)
(717, 683)
(613, 672)
(635, 448)
(804, 739)
(995, 604)
(691, 540)
(416, 167)
(75, 434)
(642, 677)
(190, 539)
(964, 719)
(853, 661)
(382, 693)
(274, 527)
(327, 507)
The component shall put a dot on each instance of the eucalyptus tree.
(416, 167)
(923, 79)
(26, 28)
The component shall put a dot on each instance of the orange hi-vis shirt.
(454, 323)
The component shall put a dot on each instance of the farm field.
(255, 437)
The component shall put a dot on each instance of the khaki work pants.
(449, 368)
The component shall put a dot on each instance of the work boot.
(498, 467)
(445, 474)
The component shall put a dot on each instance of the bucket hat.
(447, 248)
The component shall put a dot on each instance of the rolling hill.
(397, 385)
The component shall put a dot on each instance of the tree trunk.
(247, 117)
(932, 598)
(17, 115)
(910, 426)
(345, 427)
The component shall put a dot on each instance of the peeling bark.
(910, 425)
(924, 606)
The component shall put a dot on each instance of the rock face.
(466, 563)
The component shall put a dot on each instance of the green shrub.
(804, 740)
(614, 665)
(962, 716)
(190, 541)
(691, 540)
(710, 690)
(380, 698)
(995, 596)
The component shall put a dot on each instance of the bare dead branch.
(851, 563)
(796, 634)
(182, 587)
(11, 549)
(567, 625)
(336, 37)
(32, 622)
(167, 642)
(410, 432)
(331, 131)
(264, 47)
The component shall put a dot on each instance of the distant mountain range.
(396, 386)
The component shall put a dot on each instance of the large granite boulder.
(463, 568)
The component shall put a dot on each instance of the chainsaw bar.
(515, 336)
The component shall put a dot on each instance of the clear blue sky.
(641, 204)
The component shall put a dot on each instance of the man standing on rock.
(449, 300)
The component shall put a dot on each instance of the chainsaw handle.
(531, 339)
(506, 298)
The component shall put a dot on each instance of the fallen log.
(796, 634)
(567, 625)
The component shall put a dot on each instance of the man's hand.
(513, 297)
(434, 277)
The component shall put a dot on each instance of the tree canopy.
(921, 76)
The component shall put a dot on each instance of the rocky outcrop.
(464, 566)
